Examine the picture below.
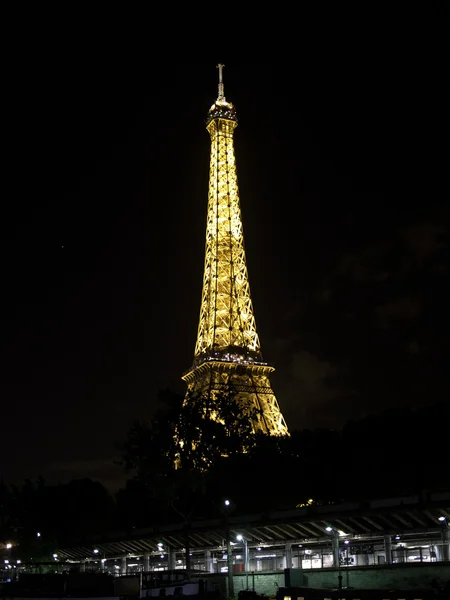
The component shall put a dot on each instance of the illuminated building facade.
(227, 353)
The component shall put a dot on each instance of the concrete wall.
(385, 577)
(266, 583)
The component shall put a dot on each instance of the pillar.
(209, 563)
(83, 566)
(123, 565)
(147, 562)
(335, 547)
(230, 567)
(445, 554)
(388, 549)
(246, 563)
(171, 559)
(288, 556)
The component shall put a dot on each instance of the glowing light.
(441, 518)
(227, 503)
(8, 546)
(309, 502)
(95, 551)
(239, 537)
(38, 534)
(328, 529)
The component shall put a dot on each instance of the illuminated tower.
(227, 353)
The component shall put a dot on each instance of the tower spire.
(221, 96)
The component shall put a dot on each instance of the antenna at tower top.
(221, 95)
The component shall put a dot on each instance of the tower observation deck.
(227, 354)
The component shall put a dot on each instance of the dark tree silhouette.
(38, 518)
(170, 458)
(398, 451)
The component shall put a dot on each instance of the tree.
(38, 518)
(189, 435)
(170, 457)
(214, 426)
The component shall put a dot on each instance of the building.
(383, 538)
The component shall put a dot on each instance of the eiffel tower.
(227, 353)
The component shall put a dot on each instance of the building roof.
(402, 515)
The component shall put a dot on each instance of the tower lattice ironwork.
(227, 352)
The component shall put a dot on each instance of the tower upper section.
(221, 109)
(227, 328)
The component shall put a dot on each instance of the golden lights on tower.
(227, 351)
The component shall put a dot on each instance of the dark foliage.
(399, 451)
(62, 515)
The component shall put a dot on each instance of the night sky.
(343, 176)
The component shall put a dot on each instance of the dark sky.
(343, 175)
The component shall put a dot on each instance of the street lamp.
(226, 507)
(335, 546)
(102, 560)
(445, 537)
(241, 538)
